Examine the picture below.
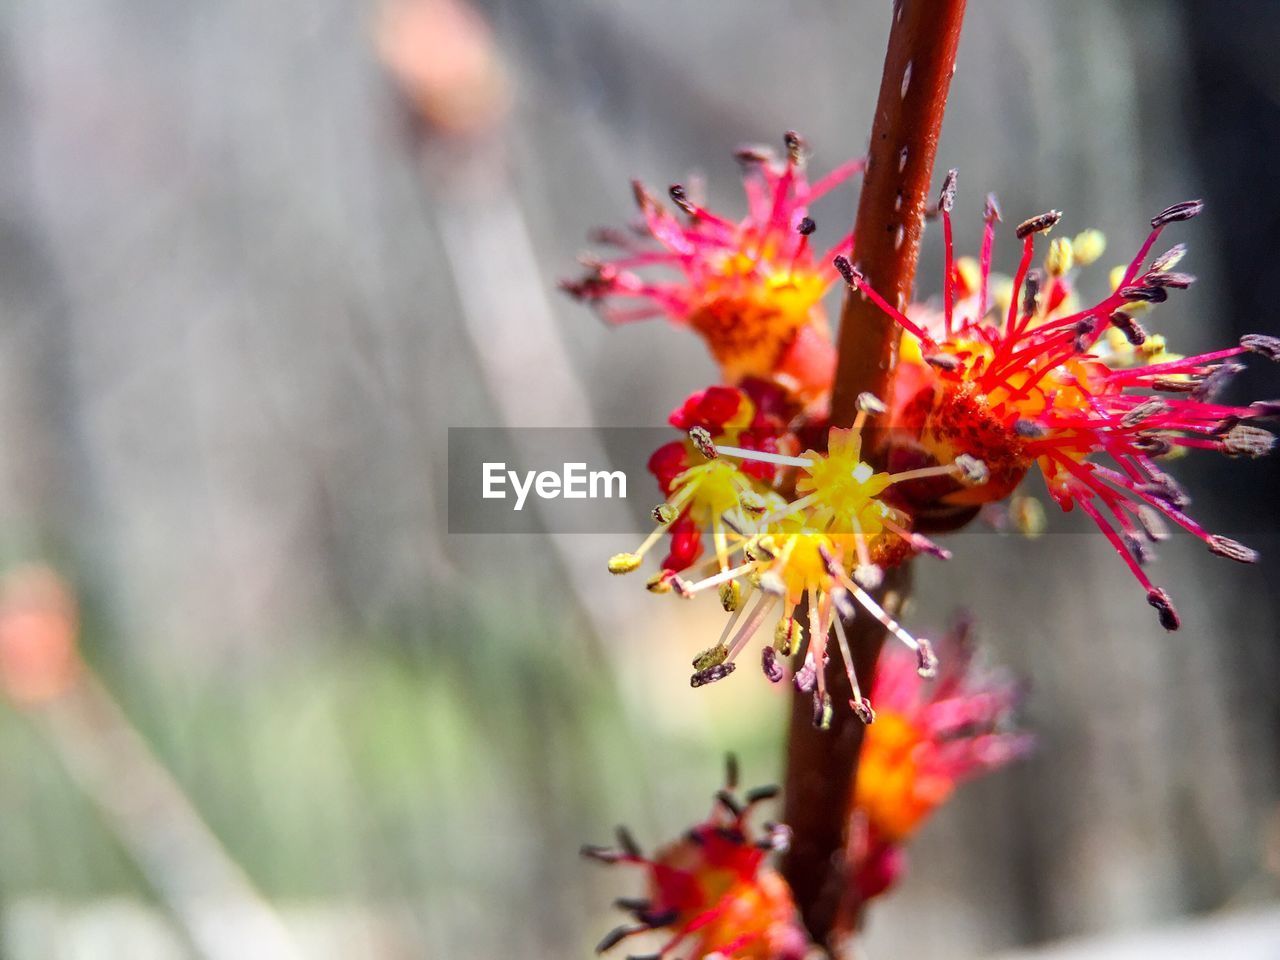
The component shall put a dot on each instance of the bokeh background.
(256, 258)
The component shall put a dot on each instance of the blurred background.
(255, 259)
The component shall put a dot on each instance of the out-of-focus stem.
(822, 764)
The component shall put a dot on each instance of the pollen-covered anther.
(1144, 411)
(870, 404)
(869, 576)
(752, 502)
(777, 838)
(1243, 440)
(1164, 607)
(700, 437)
(1178, 212)
(1213, 384)
(1152, 523)
(663, 513)
(787, 636)
(1231, 549)
(621, 563)
(1152, 444)
(769, 664)
(926, 659)
(711, 657)
(972, 470)
(806, 226)
(730, 595)
(862, 710)
(1260, 343)
(710, 675)
(796, 147)
(1038, 224)
(947, 197)
(682, 587)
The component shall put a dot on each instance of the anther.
(806, 676)
(1152, 444)
(729, 802)
(700, 437)
(711, 674)
(869, 403)
(1153, 524)
(1169, 259)
(621, 563)
(1165, 610)
(636, 905)
(1144, 411)
(1231, 549)
(1178, 212)
(787, 636)
(1038, 224)
(592, 851)
(761, 794)
(769, 664)
(972, 470)
(778, 837)
(1143, 294)
(681, 587)
(848, 272)
(752, 155)
(1246, 441)
(731, 770)
(991, 209)
(1212, 385)
(868, 576)
(947, 198)
(844, 603)
(1085, 330)
(617, 935)
(1269, 347)
(627, 842)
(680, 197)
(795, 147)
(822, 711)
(1174, 384)
(730, 596)
(862, 710)
(943, 361)
(1031, 291)
(1167, 278)
(1133, 331)
(926, 659)
(663, 513)
(711, 657)
(806, 226)
(1028, 429)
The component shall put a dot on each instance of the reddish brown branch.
(822, 765)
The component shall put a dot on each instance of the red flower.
(1040, 386)
(928, 737)
(752, 289)
(713, 890)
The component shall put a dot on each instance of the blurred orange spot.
(38, 625)
(442, 54)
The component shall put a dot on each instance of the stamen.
(860, 705)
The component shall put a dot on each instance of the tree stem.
(822, 764)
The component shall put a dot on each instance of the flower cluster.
(713, 890)
(1003, 376)
(928, 737)
(1083, 393)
